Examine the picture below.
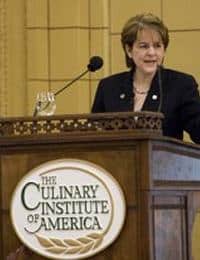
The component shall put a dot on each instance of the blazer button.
(122, 96)
(154, 97)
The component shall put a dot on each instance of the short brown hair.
(137, 23)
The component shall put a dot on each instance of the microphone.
(160, 88)
(95, 63)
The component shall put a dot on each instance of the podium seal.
(68, 209)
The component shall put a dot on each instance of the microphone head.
(96, 63)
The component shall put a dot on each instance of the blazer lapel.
(126, 93)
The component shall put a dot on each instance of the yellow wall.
(46, 43)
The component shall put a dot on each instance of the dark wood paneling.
(162, 197)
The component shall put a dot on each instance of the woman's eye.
(146, 46)
(158, 45)
(143, 46)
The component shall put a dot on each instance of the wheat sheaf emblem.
(80, 245)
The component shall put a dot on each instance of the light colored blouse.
(139, 99)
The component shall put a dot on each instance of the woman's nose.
(151, 50)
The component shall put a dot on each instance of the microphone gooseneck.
(160, 88)
(70, 83)
(96, 63)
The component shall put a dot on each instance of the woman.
(148, 86)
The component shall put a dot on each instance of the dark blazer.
(180, 100)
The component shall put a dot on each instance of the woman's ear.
(128, 51)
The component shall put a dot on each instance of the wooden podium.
(160, 177)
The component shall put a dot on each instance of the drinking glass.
(45, 103)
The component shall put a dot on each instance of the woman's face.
(147, 51)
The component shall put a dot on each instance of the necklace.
(136, 91)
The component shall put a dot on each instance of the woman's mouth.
(150, 61)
